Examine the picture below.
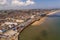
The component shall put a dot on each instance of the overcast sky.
(28, 4)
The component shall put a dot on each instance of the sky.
(29, 4)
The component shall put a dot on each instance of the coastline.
(34, 25)
(43, 19)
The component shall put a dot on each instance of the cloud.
(2, 2)
(20, 3)
(29, 2)
(16, 2)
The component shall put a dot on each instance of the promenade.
(12, 33)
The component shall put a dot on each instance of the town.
(12, 22)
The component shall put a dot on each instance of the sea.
(49, 29)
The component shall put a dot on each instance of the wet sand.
(39, 22)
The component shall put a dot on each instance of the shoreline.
(42, 20)
(39, 22)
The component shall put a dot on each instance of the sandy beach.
(42, 20)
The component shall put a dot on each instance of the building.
(9, 35)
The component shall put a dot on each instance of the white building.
(10, 23)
